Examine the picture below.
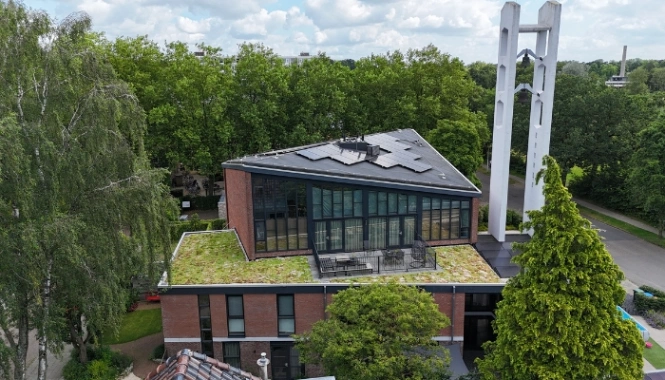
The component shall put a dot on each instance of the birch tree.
(80, 209)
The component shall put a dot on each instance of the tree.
(575, 68)
(378, 332)
(558, 317)
(81, 211)
(657, 81)
(637, 81)
(461, 144)
(647, 173)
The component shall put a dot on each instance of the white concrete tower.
(547, 43)
(542, 100)
(503, 119)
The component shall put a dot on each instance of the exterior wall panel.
(240, 208)
(180, 316)
(308, 310)
(218, 316)
(260, 315)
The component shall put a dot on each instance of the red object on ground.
(648, 344)
(153, 297)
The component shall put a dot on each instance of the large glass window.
(286, 315)
(445, 219)
(236, 316)
(280, 214)
(205, 325)
(232, 354)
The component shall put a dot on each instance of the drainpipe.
(452, 318)
(325, 301)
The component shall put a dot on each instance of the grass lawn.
(135, 325)
(636, 231)
(655, 355)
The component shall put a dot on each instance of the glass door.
(329, 235)
(394, 232)
(377, 233)
(285, 362)
(401, 231)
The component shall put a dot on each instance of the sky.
(468, 29)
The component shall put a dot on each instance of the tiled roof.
(190, 365)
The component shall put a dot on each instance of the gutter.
(452, 317)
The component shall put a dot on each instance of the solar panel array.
(397, 156)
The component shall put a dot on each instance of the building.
(380, 191)
(306, 223)
(619, 80)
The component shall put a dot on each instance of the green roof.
(210, 258)
(217, 258)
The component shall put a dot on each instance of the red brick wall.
(445, 302)
(308, 309)
(250, 352)
(239, 207)
(301, 252)
(173, 348)
(260, 314)
(218, 315)
(180, 316)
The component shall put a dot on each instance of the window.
(236, 316)
(286, 315)
(444, 219)
(206, 326)
(232, 354)
(280, 214)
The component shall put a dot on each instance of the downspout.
(452, 318)
(325, 301)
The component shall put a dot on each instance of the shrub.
(644, 303)
(655, 319)
(195, 224)
(103, 364)
(629, 304)
(158, 352)
(217, 224)
(513, 218)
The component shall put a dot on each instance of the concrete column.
(503, 119)
(542, 102)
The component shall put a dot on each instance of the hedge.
(195, 224)
(513, 218)
(103, 364)
(644, 303)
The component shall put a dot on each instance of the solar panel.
(309, 154)
(385, 161)
(344, 159)
(329, 150)
(416, 166)
(404, 155)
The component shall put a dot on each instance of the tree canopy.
(558, 317)
(378, 332)
(81, 210)
(647, 175)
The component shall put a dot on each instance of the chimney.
(373, 150)
(622, 73)
(263, 365)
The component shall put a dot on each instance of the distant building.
(621, 79)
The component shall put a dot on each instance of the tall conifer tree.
(558, 317)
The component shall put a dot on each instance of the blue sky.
(468, 29)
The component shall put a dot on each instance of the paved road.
(642, 263)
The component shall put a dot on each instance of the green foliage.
(643, 303)
(378, 332)
(461, 144)
(105, 364)
(513, 218)
(558, 317)
(158, 352)
(647, 174)
(655, 355)
(195, 224)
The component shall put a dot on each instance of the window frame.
(237, 359)
(282, 315)
(230, 317)
(207, 346)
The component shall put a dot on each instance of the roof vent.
(373, 150)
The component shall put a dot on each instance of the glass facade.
(280, 214)
(347, 218)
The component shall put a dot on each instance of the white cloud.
(590, 29)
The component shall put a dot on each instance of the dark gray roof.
(406, 161)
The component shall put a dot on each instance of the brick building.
(308, 221)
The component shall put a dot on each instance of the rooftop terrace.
(208, 258)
